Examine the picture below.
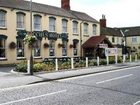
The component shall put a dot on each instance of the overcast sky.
(119, 13)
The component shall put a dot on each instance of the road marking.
(23, 86)
(35, 97)
(84, 76)
(136, 103)
(125, 76)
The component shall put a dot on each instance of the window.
(20, 48)
(64, 48)
(134, 39)
(20, 20)
(113, 39)
(52, 48)
(52, 26)
(64, 25)
(2, 48)
(85, 28)
(37, 48)
(37, 22)
(75, 27)
(94, 29)
(2, 18)
(75, 47)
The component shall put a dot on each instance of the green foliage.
(111, 59)
(39, 67)
(21, 67)
(103, 62)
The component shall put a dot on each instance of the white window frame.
(94, 29)
(3, 18)
(85, 29)
(52, 48)
(75, 27)
(52, 24)
(64, 26)
(20, 20)
(134, 39)
(37, 49)
(37, 22)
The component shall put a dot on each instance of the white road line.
(84, 76)
(136, 103)
(35, 97)
(23, 86)
(125, 76)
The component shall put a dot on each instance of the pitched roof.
(128, 31)
(131, 31)
(94, 41)
(111, 32)
(47, 9)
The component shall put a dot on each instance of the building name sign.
(45, 34)
(111, 51)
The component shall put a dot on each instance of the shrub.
(21, 67)
(103, 62)
(39, 67)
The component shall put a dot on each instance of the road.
(120, 87)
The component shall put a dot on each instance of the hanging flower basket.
(46, 45)
(12, 45)
(71, 46)
(60, 45)
(30, 40)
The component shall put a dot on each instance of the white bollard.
(116, 59)
(72, 64)
(28, 66)
(136, 58)
(56, 64)
(86, 61)
(107, 60)
(98, 61)
(124, 58)
(130, 58)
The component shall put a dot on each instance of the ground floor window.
(37, 48)
(64, 48)
(75, 47)
(51, 48)
(20, 48)
(2, 48)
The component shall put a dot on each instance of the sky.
(118, 13)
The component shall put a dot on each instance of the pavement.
(10, 79)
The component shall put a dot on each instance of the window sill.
(20, 29)
(21, 58)
(86, 35)
(76, 34)
(3, 28)
(3, 59)
(39, 57)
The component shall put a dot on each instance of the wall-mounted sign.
(45, 34)
(103, 45)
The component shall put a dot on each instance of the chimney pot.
(65, 4)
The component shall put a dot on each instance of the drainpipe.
(81, 39)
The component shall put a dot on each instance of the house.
(117, 36)
(60, 32)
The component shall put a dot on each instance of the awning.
(3, 36)
(94, 41)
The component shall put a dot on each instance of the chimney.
(103, 22)
(65, 4)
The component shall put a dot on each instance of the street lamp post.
(31, 55)
(124, 45)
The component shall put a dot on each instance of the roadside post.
(98, 61)
(72, 65)
(86, 61)
(56, 64)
